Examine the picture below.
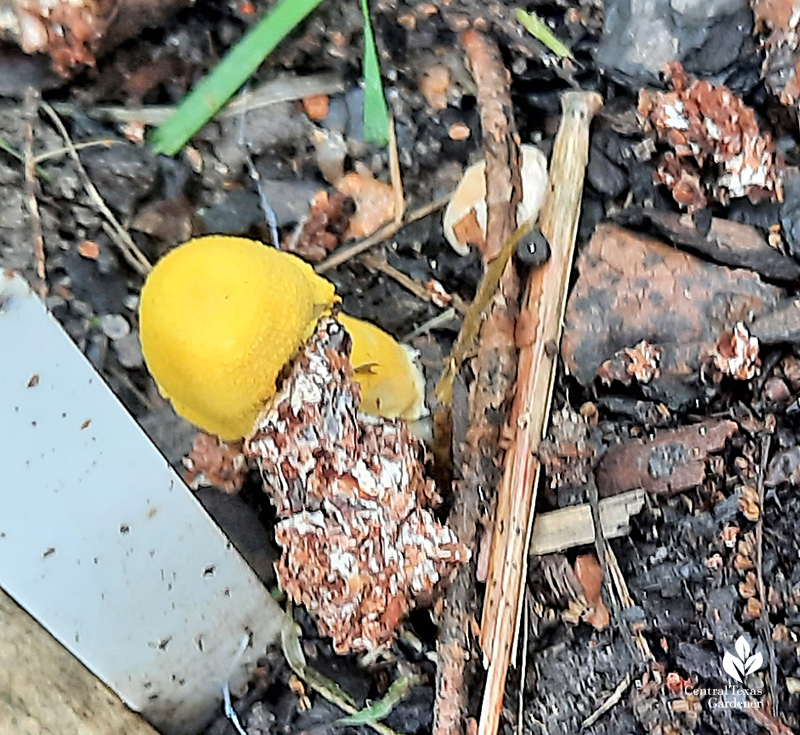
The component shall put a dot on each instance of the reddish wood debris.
(671, 462)
(634, 288)
(213, 463)
(736, 354)
(779, 20)
(568, 451)
(360, 544)
(706, 124)
(325, 227)
(639, 363)
(74, 33)
(576, 590)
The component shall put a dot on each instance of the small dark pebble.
(533, 249)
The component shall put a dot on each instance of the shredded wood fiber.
(360, 543)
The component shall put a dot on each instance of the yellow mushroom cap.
(391, 382)
(219, 319)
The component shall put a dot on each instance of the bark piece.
(360, 543)
(780, 325)
(213, 463)
(632, 288)
(500, 139)
(730, 243)
(569, 450)
(475, 457)
(590, 576)
(671, 462)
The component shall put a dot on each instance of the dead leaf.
(434, 85)
(374, 201)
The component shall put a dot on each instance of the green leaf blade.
(542, 33)
(376, 112)
(212, 92)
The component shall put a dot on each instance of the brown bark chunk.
(731, 243)
(632, 288)
(671, 462)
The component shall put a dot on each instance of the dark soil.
(689, 604)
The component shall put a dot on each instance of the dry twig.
(379, 263)
(475, 455)
(119, 235)
(396, 176)
(613, 699)
(440, 320)
(624, 601)
(345, 253)
(540, 326)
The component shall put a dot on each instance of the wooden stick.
(476, 448)
(573, 526)
(539, 328)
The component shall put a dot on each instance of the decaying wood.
(731, 243)
(566, 528)
(676, 302)
(674, 460)
(475, 456)
(47, 691)
(500, 139)
(539, 329)
(359, 541)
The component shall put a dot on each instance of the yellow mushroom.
(392, 385)
(220, 317)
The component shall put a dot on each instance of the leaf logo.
(743, 663)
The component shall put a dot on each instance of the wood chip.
(673, 461)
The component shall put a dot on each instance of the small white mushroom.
(469, 199)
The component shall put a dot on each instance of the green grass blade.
(376, 113)
(381, 709)
(202, 103)
(541, 32)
